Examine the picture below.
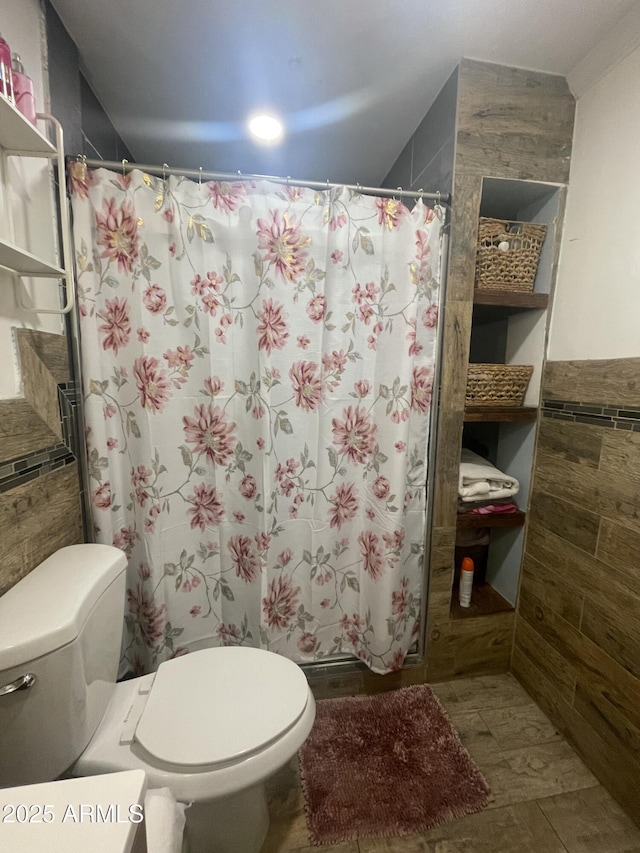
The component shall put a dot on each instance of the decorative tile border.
(25, 468)
(32, 422)
(21, 469)
(608, 416)
(68, 400)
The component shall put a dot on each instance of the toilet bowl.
(211, 726)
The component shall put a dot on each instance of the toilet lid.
(219, 704)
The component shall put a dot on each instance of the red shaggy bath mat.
(385, 765)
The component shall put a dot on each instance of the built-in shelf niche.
(515, 334)
(510, 328)
(509, 446)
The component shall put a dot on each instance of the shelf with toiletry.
(20, 137)
(491, 529)
(485, 601)
(508, 332)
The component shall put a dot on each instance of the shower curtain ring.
(124, 165)
(200, 177)
(165, 166)
(400, 191)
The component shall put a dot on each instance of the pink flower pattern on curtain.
(258, 366)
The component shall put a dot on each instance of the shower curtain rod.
(162, 171)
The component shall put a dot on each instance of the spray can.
(466, 581)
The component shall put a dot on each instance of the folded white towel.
(480, 481)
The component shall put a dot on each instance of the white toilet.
(212, 725)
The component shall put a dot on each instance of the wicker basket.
(491, 385)
(507, 254)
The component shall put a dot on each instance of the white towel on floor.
(480, 481)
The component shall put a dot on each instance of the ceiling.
(352, 79)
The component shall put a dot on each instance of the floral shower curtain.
(258, 365)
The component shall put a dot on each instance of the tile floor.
(544, 799)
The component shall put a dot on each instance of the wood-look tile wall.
(577, 637)
(40, 509)
(427, 159)
(510, 123)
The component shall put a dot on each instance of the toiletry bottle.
(466, 581)
(23, 90)
(6, 76)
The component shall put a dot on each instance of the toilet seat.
(219, 705)
(115, 747)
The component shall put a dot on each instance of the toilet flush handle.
(23, 683)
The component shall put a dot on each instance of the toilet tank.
(61, 624)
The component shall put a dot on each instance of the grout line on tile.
(595, 553)
(553, 829)
(584, 598)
